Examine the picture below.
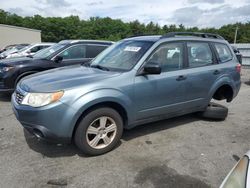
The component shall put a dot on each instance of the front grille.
(19, 97)
(1, 83)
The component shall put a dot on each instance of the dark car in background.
(64, 53)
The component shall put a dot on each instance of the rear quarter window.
(223, 52)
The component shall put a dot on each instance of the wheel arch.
(24, 74)
(110, 98)
(222, 89)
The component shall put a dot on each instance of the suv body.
(30, 50)
(64, 53)
(142, 79)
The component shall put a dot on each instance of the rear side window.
(35, 49)
(169, 56)
(223, 52)
(199, 54)
(74, 52)
(43, 47)
(93, 50)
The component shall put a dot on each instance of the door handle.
(216, 72)
(181, 77)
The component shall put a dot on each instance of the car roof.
(86, 41)
(180, 36)
(42, 43)
(152, 38)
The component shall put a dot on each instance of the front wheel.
(99, 131)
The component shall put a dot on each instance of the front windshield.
(10, 51)
(49, 51)
(122, 56)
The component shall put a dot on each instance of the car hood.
(64, 78)
(16, 61)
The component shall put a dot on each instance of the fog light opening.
(38, 133)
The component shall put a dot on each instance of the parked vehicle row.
(30, 50)
(64, 53)
(135, 81)
(11, 49)
(12, 46)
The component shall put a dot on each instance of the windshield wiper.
(100, 67)
(86, 64)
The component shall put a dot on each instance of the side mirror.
(152, 68)
(58, 59)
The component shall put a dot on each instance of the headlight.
(5, 69)
(41, 99)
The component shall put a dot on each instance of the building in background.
(16, 35)
(244, 49)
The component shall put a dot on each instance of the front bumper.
(3, 87)
(52, 122)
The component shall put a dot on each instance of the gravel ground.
(179, 152)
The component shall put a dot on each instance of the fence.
(244, 49)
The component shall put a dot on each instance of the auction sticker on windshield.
(132, 48)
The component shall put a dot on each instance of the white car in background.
(239, 176)
(30, 50)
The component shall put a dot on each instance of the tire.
(92, 137)
(215, 111)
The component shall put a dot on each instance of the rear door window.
(35, 49)
(93, 50)
(223, 52)
(199, 54)
(74, 52)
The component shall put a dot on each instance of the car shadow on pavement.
(158, 126)
(5, 97)
(53, 150)
(48, 149)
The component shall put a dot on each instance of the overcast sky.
(201, 13)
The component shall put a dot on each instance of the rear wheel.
(215, 111)
(99, 131)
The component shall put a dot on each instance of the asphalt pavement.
(180, 152)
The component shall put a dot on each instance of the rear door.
(202, 72)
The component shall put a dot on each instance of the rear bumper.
(237, 88)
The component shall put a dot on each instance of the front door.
(162, 94)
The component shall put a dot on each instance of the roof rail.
(195, 34)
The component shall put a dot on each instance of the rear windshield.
(223, 52)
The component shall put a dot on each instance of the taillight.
(238, 68)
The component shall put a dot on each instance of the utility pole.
(235, 35)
